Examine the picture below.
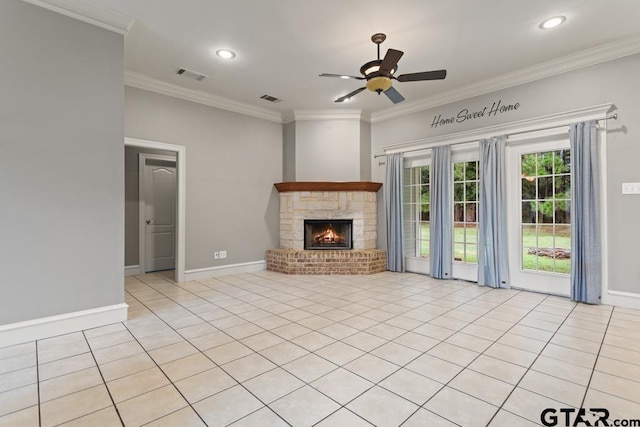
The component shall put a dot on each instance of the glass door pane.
(465, 218)
(539, 215)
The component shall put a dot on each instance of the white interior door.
(160, 184)
(539, 221)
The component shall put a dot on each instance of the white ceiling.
(282, 45)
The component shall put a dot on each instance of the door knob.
(150, 222)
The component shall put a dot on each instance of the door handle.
(150, 222)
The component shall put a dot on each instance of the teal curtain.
(493, 252)
(393, 207)
(441, 213)
(586, 273)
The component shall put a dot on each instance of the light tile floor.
(266, 349)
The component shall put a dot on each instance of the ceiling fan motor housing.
(379, 84)
(377, 80)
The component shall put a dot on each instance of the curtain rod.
(614, 116)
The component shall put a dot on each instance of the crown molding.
(327, 115)
(90, 13)
(585, 58)
(141, 81)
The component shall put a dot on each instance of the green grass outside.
(545, 239)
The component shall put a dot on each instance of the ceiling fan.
(379, 74)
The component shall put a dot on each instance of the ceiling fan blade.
(340, 76)
(349, 95)
(390, 60)
(394, 95)
(426, 75)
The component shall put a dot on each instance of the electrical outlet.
(216, 255)
(631, 188)
(223, 254)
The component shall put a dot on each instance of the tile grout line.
(201, 352)
(576, 305)
(159, 367)
(519, 292)
(595, 363)
(103, 381)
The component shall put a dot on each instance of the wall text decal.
(463, 115)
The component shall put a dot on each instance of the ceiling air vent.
(191, 74)
(270, 98)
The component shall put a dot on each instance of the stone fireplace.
(335, 204)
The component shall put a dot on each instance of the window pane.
(458, 252)
(561, 212)
(528, 212)
(424, 174)
(424, 194)
(471, 253)
(424, 215)
(528, 166)
(471, 192)
(458, 172)
(471, 211)
(458, 192)
(545, 163)
(471, 171)
(562, 161)
(545, 188)
(528, 189)
(458, 212)
(562, 184)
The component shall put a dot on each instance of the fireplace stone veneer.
(328, 201)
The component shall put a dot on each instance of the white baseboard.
(623, 299)
(223, 270)
(45, 327)
(132, 270)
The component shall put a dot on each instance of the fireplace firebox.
(328, 234)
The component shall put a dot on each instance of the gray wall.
(365, 151)
(61, 168)
(615, 81)
(289, 152)
(232, 162)
(132, 201)
(327, 150)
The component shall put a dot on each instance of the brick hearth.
(297, 261)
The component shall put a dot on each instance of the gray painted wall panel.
(614, 81)
(61, 168)
(327, 150)
(289, 152)
(232, 162)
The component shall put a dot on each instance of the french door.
(466, 183)
(539, 217)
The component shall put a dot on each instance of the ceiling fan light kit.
(379, 74)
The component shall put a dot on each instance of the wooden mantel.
(328, 186)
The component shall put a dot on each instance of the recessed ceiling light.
(225, 53)
(550, 23)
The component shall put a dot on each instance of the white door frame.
(180, 151)
(142, 201)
